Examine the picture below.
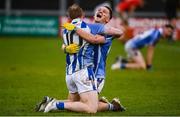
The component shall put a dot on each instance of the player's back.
(149, 37)
(84, 57)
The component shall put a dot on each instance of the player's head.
(75, 11)
(168, 30)
(103, 14)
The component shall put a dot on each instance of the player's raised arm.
(114, 31)
(149, 56)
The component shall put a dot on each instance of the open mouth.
(99, 15)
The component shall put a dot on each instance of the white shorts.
(131, 52)
(100, 84)
(81, 81)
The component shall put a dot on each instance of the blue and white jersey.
(85, 56)
(150, 37)
(100, 51)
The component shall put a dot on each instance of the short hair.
(110, 11)
(169, 26)
(75, 11)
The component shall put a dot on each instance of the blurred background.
(43, 17)
(32, 64)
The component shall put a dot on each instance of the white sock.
(111, 107)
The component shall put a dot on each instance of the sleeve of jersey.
(63, 34)
(96, 28)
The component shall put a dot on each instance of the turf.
(31, 68)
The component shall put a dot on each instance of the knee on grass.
(91, 110)
(142, 66)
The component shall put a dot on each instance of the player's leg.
(46, 99)
(88, 103)
(87, 88)
(104, 104)
(114, 105)
(119, 64)
(86, 85)
(138, 61)
(73, 97)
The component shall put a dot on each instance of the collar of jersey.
(76, 20)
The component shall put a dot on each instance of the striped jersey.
(150, 37)
(85, 56)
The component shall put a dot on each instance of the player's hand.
(69, 26)
(72, 48)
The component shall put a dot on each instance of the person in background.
(132, 47)
(171, 13)
(126, 8)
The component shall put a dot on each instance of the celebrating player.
(80, 76)
(102, 17)
(80, 79)
(132, 47)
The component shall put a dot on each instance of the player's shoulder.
(79, 23)
(95, 25)
(154, 31)
(149, 32)
(96, 28)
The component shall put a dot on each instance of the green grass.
(31, 68)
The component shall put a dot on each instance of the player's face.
(168, 32)
(102, 15)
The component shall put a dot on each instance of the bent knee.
(92, 111)
(143, 66)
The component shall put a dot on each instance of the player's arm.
(149, 56)
(94, 39)
(63, 47)
(113, 31)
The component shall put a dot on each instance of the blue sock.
(123, 66)
(60, 105)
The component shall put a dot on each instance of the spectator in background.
(171, 12)
(125, 8)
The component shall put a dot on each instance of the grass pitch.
(31, 68)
